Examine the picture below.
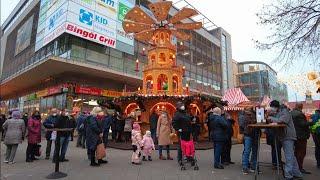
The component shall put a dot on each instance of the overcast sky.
(239, 19)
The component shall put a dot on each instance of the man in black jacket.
(64, 122)
(181, 122)
(302, 127)
(49, 124)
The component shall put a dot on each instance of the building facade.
(257, 79)
(65, 54)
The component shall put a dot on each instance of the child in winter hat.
(136, 144)
(148, 146)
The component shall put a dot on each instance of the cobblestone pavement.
(120, 168)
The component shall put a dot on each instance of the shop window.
(162, 82)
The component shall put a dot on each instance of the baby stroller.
(188, 154)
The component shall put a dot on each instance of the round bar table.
(276, 127)
(57, 174)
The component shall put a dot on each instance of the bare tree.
(294, 27)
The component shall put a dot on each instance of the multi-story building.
(59, 53)
(257, 79)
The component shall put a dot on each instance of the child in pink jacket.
(148, 146)
(136, 144)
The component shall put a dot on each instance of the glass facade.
(257, 79)
(201, 58)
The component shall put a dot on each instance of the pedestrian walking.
(101, 120)
(128, 126)
(148, 146)
(64, 122)
(195, 123)
(164, 129)
(281, 114)
(226, 153)
(137, 144)
(302, 127)
(49, 124)
(120, 123)
(181, 123)
(34, 135)
(153, 125)
(15, 131)
(81, 130)
(218, 126)
(93, 135)
(106, 128)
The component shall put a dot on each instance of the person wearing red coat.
(34, 135)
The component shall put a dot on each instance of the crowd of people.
(93, 134)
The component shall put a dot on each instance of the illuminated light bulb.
(137, 61)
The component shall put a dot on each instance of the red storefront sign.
(88, 90)
(54, 90)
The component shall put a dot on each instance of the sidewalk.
(120, 168)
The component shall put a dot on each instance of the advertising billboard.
(24, 36)
(99, 21)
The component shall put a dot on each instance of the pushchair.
(188, 154)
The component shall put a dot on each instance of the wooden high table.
(57, 174)
(276, 127)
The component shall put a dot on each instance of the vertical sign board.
(99, 21)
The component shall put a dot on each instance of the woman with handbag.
(34, 135)
(164, 129)
(94, 134)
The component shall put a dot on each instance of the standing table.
(276, 127)
(57, 174)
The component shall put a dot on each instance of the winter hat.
(95, 111)
(216, 111)
(136, 126)
(148, 133)
(16, 114)
(275, 104)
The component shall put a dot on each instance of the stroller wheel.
(196, 168)
(183, 168)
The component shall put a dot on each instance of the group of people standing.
(292, 138)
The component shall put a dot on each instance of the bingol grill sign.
(99, 21)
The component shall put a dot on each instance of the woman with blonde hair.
(164, 129)
(93, 134)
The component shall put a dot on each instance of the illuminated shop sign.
(99, 21)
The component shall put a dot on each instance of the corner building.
(71, 53)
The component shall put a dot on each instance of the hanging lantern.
(312, 76)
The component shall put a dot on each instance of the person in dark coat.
(226, 154)
(108, 120)
(64, 122)
(2, 120)
(81, 130)
(181, 123)
(25, 119)
(113, 127)
(120, 122)
(34, 135)
(302, 127)
(153, 125)
(195, 123)
(93, 134)
(49, 124)
(218, 126)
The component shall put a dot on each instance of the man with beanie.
(180, 122)
(281, 115)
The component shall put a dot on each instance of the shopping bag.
(101, 151)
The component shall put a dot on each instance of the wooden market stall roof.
(236, 100)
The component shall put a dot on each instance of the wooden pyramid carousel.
(161, 76)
